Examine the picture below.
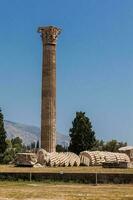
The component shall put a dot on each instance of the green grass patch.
(81, 169)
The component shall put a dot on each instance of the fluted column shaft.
(48, 110)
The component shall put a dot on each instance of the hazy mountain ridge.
(29, 133)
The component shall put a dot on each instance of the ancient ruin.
(65, 159)
(25, 159)
(55, 159)
(48, 111)
(96, 158)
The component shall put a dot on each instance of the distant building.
(128, 150)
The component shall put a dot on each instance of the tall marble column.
(48, 111)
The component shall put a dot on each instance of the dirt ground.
(62, 191)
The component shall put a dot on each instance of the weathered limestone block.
(107, 157)
(53, 159)
(42, 157)
(98, 157)
(85, 158)
(122, 157)
(74, 159)
(88, 157)
(64, 159)
(25, 159)
(129, 151)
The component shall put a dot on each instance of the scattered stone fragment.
(37, 165)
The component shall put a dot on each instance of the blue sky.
(94, 62)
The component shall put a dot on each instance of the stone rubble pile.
(95, 158)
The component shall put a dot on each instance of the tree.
(3, 143)
(33, 145)
(82, 137)
(60, 148)
(16, 140)
(113, 145)
(99, 145)
(17, 143)
(9, 143)
(37, 144)
(9, 155)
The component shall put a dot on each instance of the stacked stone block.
(55, 159)
(95, 158)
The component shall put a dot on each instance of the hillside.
(29, 133)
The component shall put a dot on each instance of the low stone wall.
(92, 178)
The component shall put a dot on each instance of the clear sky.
(94, 62)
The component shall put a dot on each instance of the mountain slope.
(29, 133)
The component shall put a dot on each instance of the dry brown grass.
(11, 168)
(61, 191)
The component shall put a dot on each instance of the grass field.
(61, 191)
(11, 168)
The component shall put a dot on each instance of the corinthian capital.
(49, 34)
